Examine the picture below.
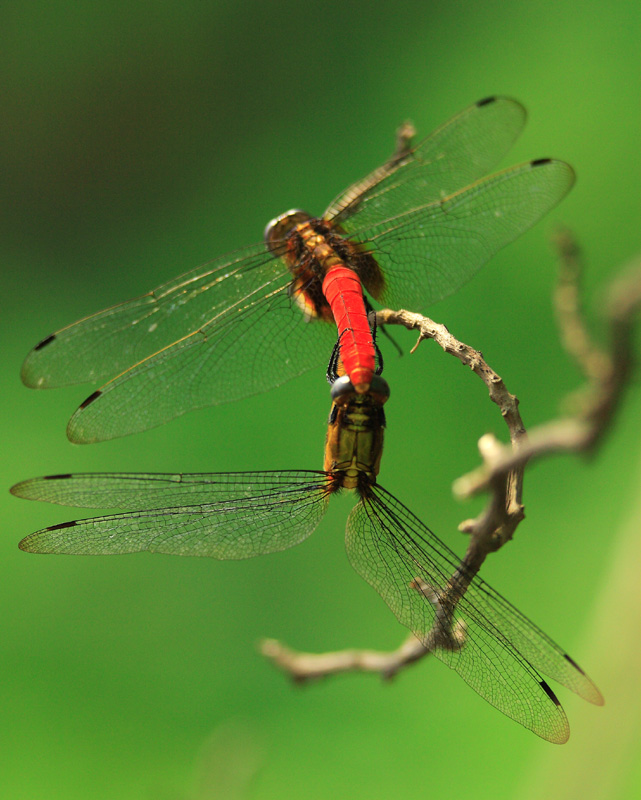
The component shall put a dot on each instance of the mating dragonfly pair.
(410, 235)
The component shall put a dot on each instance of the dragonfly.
(460, 618)
(409, 234)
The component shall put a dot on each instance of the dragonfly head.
(277, 229)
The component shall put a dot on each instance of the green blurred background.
(139, 139)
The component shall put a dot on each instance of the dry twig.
(501, 474)
(606, 372)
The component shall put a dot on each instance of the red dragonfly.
(411, 233)
(439, 597)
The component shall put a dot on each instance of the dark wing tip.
(573, 662)
(540, 162)
(90, 400)
(61, 525)
(47, 340)
(550, 694)
(486, 101)
(35, 379)
(60, 477)
(588, 690)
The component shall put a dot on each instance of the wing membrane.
(462, 150)
(220, 515)
(427, 253)
(106, 343)
(431, 251)
(244, 350)
(229, 329)
(501, 651)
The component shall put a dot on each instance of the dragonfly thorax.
(354, 443)
(311, 247)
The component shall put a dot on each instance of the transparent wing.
(228, 330)
(246, 349)
(429, 252)
(221, 515)
(426, 254)
(501, 650)
(462, 150)
(106, 343)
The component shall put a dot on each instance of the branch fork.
(500, 475)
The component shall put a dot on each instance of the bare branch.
(501, 474)
(303, 667)
(496, 524)
(573, 330)
(488, 532)
(606, 373)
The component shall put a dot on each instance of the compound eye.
(379, 386)
(341, 388)
(277, 229)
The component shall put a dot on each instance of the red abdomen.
(344, 292)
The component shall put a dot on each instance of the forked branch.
(606, 374)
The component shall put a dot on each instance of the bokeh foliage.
(139, 139)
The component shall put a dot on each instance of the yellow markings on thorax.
(318, 247)
(321, 252)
